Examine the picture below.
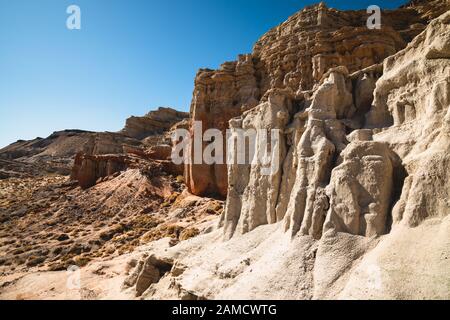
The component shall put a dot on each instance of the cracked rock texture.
(296, 55)
(360, 207)
(344, 163)
(153, 123)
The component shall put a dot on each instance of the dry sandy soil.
(49, 224)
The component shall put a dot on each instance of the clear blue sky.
(130, 56)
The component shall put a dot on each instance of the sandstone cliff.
(349, 163)
(56, 153)
(360, 208)
(153, 123)
(294, 56)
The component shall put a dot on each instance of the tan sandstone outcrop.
(88, 169)
(363, 191)
(415, 91)
(358, 210)
(296, 55)
(218, 97)
(153, 123)
(364, 186)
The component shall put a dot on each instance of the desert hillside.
(359, 208)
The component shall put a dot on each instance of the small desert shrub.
(34, 261)
(189, 233)
(81, 261)
(180, 179)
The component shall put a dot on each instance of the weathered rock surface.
(88, 169)
(66, 144)
(360, 208)
(252, 195)
(361, 190)
(153, 123)
(218, 97)
(296, 55)
(415, 92)
(56, 153)
(368, 176)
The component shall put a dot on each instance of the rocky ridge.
(365, 172)
(56, 153)
(295, 56)
(359, 209)
(110, 205)
(153, 123)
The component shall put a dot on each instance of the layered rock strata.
(346, 161)
(153, 123)
(295, 56)
(360, 207)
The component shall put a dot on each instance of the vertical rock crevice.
(295, 56)
(344, 91)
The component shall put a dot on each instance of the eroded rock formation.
(360, 208)
(295, 56)
(218, 97)
(415, 91)
(88, 169)
(361, 190)
(153, 123)
(357, 196)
